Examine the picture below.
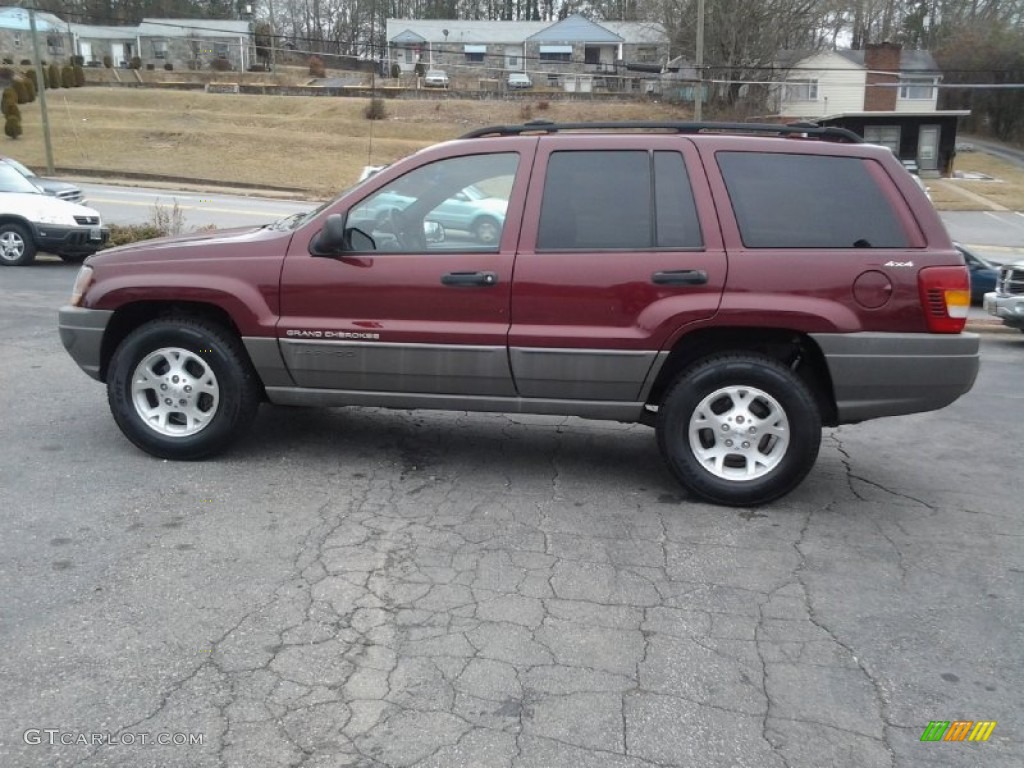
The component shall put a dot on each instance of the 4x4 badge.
(898, 264)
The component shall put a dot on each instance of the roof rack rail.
(547, 126)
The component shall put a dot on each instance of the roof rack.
(808, 130)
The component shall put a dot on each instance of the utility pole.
(698, 101)
(41, 83)
(273, 32)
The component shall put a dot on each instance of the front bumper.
(81, 333)
(889, 374)
(1007, 307)
(71, 240)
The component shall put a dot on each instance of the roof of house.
(910, 60)
(104, 33)
(575, 28)
(17, 18)
(193, 28)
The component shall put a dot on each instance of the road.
(359, 587)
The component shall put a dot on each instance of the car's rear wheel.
(182, 388)
(486, 230)
(739, 430)
(17, 247)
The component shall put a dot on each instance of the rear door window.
(808, 201)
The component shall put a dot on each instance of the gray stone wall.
(194, 53)
(17, 45)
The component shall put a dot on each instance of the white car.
(31, 221)
(519, 80)
(435, 78)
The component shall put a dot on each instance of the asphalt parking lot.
(386, 588)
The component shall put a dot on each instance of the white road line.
(259, 214)
(1004, 220)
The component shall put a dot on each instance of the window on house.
(159, 49)
(221, 50)
(583, 209)
(475, 53)
(647, 53)
(555, 53)
(886, 135)
(17, 39)
(409, 56)
(801, 90)
(917, 88)
(793, 201)
(55, 44)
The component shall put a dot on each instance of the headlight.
(82, 282)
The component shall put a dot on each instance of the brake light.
(946, 297)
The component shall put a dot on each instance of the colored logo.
(958, 730)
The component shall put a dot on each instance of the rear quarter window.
(808, 201)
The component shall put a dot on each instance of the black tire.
(17, 245)
(487, 230)
(786, 461)
(73, 258)
(207, 353)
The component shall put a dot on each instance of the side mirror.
(331, 239)
(357, 240)
(433, 231)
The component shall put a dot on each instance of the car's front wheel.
(182, 388)
(739, 429)
(17, 247)
(486, 230)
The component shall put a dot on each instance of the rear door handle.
(470, 278)
(680, 277)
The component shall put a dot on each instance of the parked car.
(718, 285)
(517, 80)
(1007, 300)
(983, 273)
(32, 221)
(469, 210)
(435, 78)
(60, 189)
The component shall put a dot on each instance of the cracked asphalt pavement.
(385, 588)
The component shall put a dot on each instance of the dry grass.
(318, 144)
(1007, 189)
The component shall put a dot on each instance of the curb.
(989, 326)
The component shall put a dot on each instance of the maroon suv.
(736, 287)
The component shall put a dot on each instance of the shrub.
(316, 67)
(30, 84)
(220, 65)
(79, 76)
(78, 61)
(420, 69)
(136, 62)
(26, 62)
(54, 79)
(150, 67)
(67, 77)
(122, 234)
(8, 61)
(9, 102)
(31, 75)
(526, 112)
(396, 71)
(168, 66)
(108, 62)
(543, 105)
(12, 127)
(376, 109)
(21, 90)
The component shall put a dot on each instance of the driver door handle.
(680, 277)
(470, 279)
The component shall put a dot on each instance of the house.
(196, 43)
(94, 43)
(16, 36)
(884, 93)
(575, 45)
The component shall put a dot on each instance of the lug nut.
(746, 444)
(753, 430)
(725, 427)
(728, 443)
(174, 379)
(168, 401)
(188, 387)
(182, 401)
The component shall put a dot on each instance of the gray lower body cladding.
(889, 374)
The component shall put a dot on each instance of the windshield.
(23, 170)
(12, 181)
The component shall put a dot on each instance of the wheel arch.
(794, 349)
(130, 316)
(13, 218)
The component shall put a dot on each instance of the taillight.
(946, 297)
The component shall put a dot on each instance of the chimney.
(879, 60)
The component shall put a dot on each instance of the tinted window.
(808, 201)
(604, 201)
(676, 211)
